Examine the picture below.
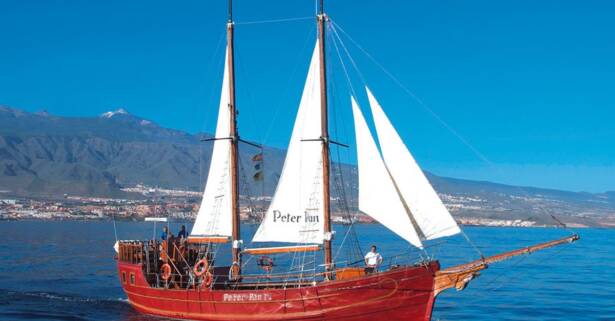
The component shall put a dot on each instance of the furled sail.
(215, 214)
(296, 212)
(431, 216)
(378, 196)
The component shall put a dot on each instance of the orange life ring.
(166, 271)
(266, 263)
(208, 279)
(201, 267)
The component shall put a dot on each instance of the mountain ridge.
(47, 155)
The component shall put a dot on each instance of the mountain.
(493, 201)
(41, 154)
(46, 155)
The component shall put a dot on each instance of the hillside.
(43, 154)
(46, 155)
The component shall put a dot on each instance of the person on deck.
(165, 233)
(182, 233)
(372, 259)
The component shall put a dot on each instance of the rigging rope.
(255, 22)
(333, 24)
(204, 119)
(482, 256)
(422, 104)
(415, 97)
(209, 70)
(338, 178)
(114, 227)
(288, 82)
(504, 278)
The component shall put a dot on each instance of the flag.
(257, 159)
(258, 176)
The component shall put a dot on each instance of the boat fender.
(208, 279)
(166, 271)
(233, 271)
(237, 244)
(201, 267)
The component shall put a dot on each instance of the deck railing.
(182, 256)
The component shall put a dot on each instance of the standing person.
(182, 232)
(372, 259)
(182, 236)
(165, 233)
(164, 246)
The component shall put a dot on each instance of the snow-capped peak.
(110, 114)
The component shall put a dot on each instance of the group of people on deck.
(171, 242)
(176, 247)
(373, 259)
(165, 235)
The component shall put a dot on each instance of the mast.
(325, 137)
(234, 143)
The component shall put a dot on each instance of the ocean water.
(66, 271)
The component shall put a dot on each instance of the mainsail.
(426, 208)
(378, 196)
(296, 211)
(215, 214)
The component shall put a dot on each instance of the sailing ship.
(186, 279)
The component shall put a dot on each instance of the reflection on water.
(66, 271)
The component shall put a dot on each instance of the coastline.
(503, 224)
(183, 206)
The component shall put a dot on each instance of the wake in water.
(35, 305)
(54, 296)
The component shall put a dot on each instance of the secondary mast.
(234, 144)
(325, 137)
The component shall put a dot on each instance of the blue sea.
(65, 271)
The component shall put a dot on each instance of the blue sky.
(528, 84)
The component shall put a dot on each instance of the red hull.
(405, 293)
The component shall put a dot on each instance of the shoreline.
(178, 221)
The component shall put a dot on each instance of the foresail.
(296, 211)
(426, 208)
(215, 214)
(378, 196)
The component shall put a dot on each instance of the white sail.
(296, 212)
(431, 216)
(215, 214)
(378, 196)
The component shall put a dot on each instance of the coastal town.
(144, 202)
(93, 208)
(181, 205)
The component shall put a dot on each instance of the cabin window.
(132, 278)
(124, 277)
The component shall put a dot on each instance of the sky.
(516, 92)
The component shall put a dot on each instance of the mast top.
(230, 11)
(321, 7)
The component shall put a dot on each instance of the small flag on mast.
(258, 166)
(258, 176)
